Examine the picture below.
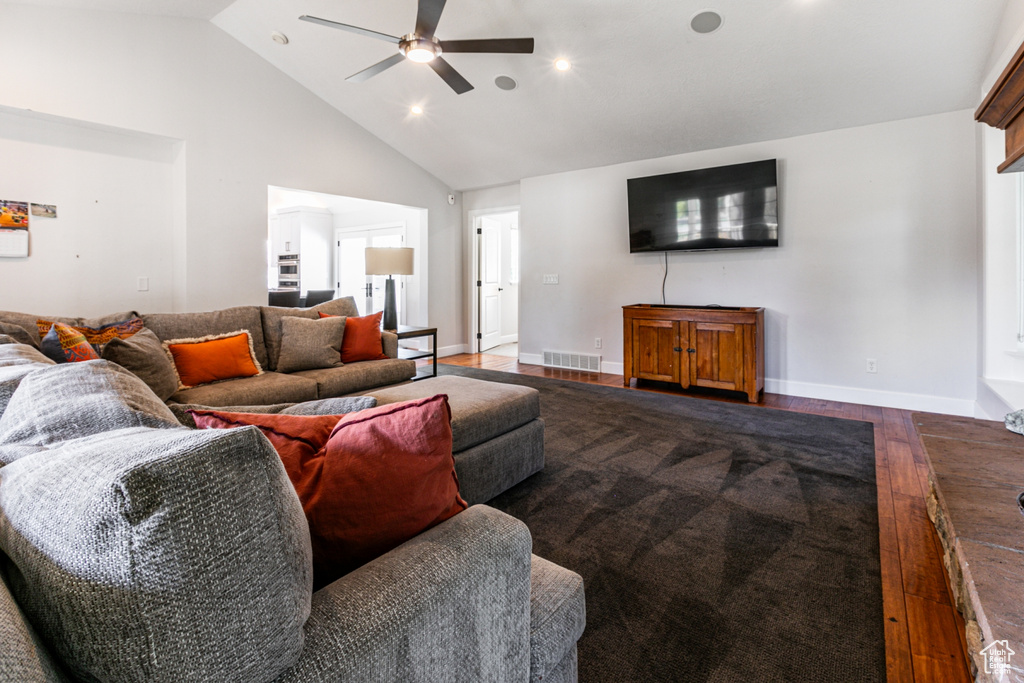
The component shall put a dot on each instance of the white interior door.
(490, 283)
(368, 290)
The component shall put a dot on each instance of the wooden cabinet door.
(656, 352)
(717, 360)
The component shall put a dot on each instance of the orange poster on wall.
(13, 214)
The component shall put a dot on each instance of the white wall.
(1001, 387)
(245, 126)
(104, 182)
(877, 260)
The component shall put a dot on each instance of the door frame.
(473, 268)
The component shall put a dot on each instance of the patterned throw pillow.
(99, 336)
(65, 344)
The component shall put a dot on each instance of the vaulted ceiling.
(642, 84)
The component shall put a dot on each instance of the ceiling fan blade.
(503, 45)
(351, 29)
(427, 16)
(452, 77)
(369, 72)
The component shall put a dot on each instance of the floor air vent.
(573, 361)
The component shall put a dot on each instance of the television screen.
(712, 208)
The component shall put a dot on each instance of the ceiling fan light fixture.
(419, 50)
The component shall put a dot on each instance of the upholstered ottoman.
(498, 436)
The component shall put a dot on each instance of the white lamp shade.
(389, 260)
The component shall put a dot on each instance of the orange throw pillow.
(362, 340)
(201, 361)
(378, 478)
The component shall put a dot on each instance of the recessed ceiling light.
(279, 38)
(506, 82)
(416, 109)
(706, 21)
(563, 64)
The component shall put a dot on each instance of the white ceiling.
(642, 85)
(195, 9)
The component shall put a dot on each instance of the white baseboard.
(828, 392)
(872, 397)
(612, 368)
(510, 339)
(453, 350)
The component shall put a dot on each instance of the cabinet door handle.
(677, 349)
(691, 350)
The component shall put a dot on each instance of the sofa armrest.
(451, 604)
(390, 342)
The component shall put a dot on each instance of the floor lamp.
(389, 261)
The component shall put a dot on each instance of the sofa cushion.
(309, 344)
(558, 615)
(19, 334)
(27, 321)
(61, 402)
(193, 325)
(143, 355)
(23, 657)
(65, 344)
(480, 410)
(359, 376)
(271, 316)
(368, 482)
(22, 354)
(213, 358)
(270, 387)
(160, 555)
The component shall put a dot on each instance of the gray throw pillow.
(143, 355)
(160, 555)
(323, 406)
(310, 344)
(61, 402)
(332, 406)
(18, 333)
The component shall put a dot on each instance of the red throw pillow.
(362, 340)
(378, 478)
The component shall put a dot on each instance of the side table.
(410, 332)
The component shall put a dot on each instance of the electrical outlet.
(872, 365)
(551, 279)
(143, 285)
(597, 342)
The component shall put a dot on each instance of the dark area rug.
(717, 542)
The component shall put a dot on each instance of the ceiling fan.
(422, 46)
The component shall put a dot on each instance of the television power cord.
(663, 280)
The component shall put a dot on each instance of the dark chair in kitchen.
(288, 298)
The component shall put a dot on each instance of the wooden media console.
(710, 346)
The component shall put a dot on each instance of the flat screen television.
(725, 207)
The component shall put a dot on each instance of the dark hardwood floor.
(924, 633)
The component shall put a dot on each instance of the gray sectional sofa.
(134, 548)
(264, 325)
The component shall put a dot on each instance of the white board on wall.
(13, 243)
